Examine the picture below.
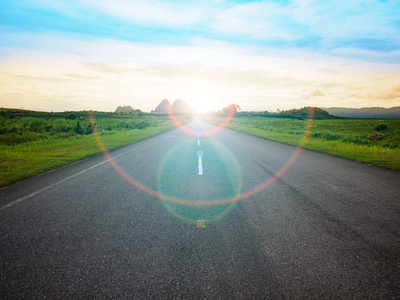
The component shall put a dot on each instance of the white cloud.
(349, 19)
(109, 73)
(259, 20)
(315, 92)
(369, 24)
(367, 55)
(151, 11)
(382, 94)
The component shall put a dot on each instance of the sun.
(201, 105)
(204, 100)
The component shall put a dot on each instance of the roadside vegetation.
(35, 142)
(369, 140)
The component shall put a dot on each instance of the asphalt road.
(328, 228)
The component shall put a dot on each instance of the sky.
(58, 55)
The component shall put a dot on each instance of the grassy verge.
(24, 160)
(351, 139)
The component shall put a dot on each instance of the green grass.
(32, 143)
(35, 142)
(21, 161)
(355, 139)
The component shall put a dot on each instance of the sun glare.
(204, 100)
(201, 106)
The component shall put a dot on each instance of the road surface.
(328, 228)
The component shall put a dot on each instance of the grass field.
(32, 143)
(368, 140)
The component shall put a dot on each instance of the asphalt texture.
(328, 228)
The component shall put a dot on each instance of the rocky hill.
(162, 107)
(123, 109)
(365, 112)
(179, 107)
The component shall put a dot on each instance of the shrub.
(381, 127)
(71, 117)
(78, 128)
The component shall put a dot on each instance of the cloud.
(34, 79)
(393, 93)
(329, 71)
(260, 20)
(320, 25)
(392, 56)
(349, 19)
(254, 76)
(388, 94)
(366, 30)
(315, 92)
(104, 68)
(151, 12)
(80, 76)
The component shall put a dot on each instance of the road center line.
(59, 182)
(200, 154)
(200, 167)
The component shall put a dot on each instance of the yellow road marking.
(201, 223)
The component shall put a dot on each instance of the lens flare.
(189, 131)
(177, 178)
(179, 199)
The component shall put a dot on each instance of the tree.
(231, 107)
(78, 128)
(71, 117)
(235, 107)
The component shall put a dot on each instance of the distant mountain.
(162, 107)
(123, 109)
(179, 107)
(365, 112)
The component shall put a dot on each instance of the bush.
(381, 127)
(71, 117)
(78, 128)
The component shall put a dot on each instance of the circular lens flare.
(177, 178)
(221, 201)
(175, 121)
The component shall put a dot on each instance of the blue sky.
(262, 55)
